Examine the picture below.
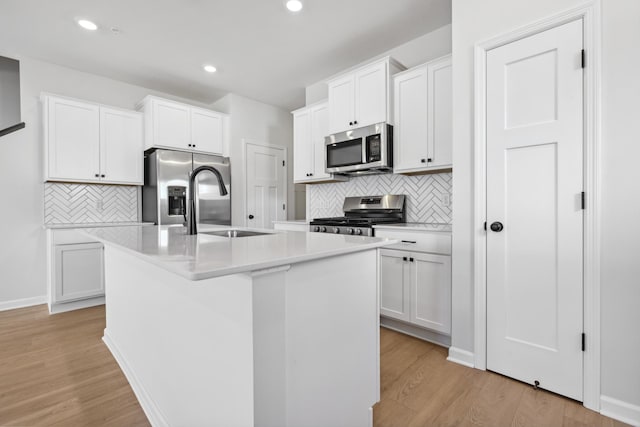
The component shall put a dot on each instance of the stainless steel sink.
(234, 233)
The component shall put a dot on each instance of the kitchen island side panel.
(188, 345)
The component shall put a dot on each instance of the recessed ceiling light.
(294, 5)
(87, 25)
(210, 68)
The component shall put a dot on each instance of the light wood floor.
(55, 371)
(420, 388)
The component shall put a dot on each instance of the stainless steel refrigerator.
(166, 181)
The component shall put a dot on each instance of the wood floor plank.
(56, 371)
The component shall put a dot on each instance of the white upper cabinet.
(362, 97)
(86, 142)
(206, 131)
(423, 117)
(170, 124)
(121, 136)
(371, 95)
(171, 127)
(310, 127)
(72, 134)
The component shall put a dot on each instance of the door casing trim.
(589, 13)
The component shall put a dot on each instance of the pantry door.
(266, 185)
(534, 214)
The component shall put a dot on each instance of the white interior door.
(534, 185)
(266, 186)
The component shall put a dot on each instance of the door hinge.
(283, 206)
(583, 59)
(582, 201)
(283, 163)
(584, 341)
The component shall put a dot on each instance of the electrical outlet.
(446, 199)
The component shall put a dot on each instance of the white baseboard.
(24, 302)
(151, 410)
(63, 307)
(619, 410)
(462, 357)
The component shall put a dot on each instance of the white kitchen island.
(271, 330)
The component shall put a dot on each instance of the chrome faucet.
(192, 228)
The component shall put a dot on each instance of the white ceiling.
(261, 50)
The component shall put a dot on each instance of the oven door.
(344, 156)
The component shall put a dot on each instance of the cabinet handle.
(408, 241)
(429, 160)
(350, 123)
(193, 145)
(404, 258)
(310, 174)
(355, 122)
(423, 160)
(410, 259)
(102, 176)
(189, 145)
(97, 175)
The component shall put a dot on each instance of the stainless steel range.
(361, 214)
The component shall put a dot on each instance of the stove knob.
(323, 229)
(336, 230)
(359, 232)
(316, 228)
(351, 231)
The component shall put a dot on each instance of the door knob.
(497, 227)
(251, 217)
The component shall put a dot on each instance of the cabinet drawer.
(421, 241)
(69, 237)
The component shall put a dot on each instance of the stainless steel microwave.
(360, 151)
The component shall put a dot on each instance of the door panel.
(74, 140)
(79, 271)
(534, 182)
(371, 95)
(431, 291)
(394, 285)
(440, 113)
(121, 146)
(319, 130)
(411, 111)
(171, 125)
(206, 131)
(302, 155)
(266, 186)
(341, 104)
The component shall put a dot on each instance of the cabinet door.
(431, 291)
(395, 284)
(371, 95)
(206, 131)
(302, 150)
(79, 271)
(411, 128)
(73, 138)
(121, 146)
(341, 104)
(319, 130)
(440, 112)
(171, 125)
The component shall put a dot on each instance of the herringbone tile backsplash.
(88, 203)
(423, 203)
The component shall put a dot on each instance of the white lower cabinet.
(79, 271)
(75, 271)
(415, 287)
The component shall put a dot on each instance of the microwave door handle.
(364, 150)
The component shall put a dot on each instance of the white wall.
(475, 21)
(262, 123)
(415, 52)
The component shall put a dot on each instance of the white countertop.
(292, 221)
(204, 256)
(95, 225)
(417, 226)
